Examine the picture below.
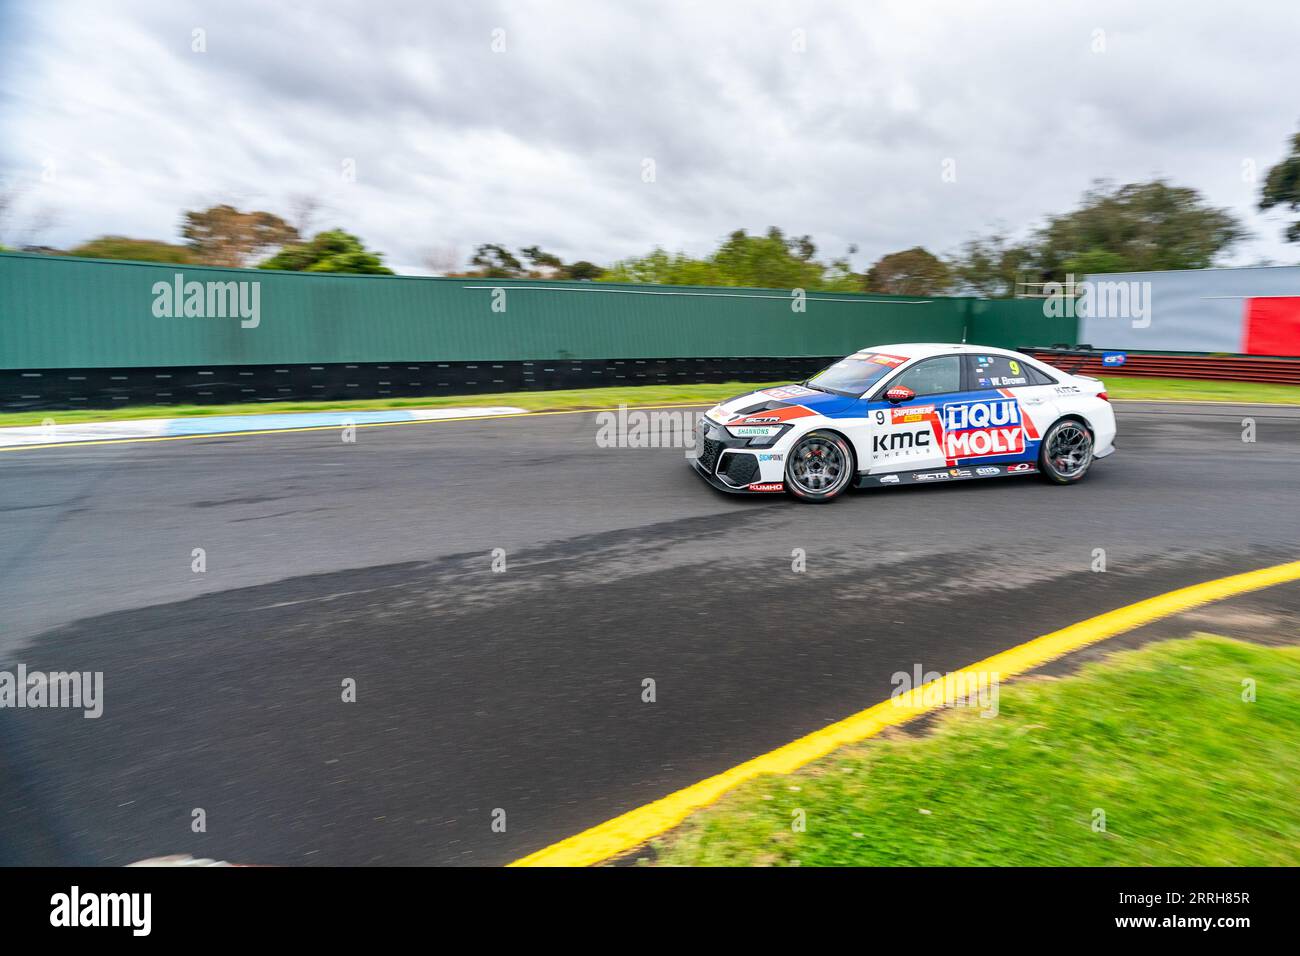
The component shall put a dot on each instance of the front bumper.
(753, 488)
(730, 464)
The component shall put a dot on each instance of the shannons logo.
(209, 300)
(74, 908)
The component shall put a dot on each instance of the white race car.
(908, 414)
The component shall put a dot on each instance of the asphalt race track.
(521, 690)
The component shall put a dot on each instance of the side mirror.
(899, 393)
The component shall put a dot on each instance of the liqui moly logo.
(980, 429)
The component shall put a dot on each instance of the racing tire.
(819, 467)
(1066, 452)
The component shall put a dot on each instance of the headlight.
(760, 436)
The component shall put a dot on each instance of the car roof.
(915, 350)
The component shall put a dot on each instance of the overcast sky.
(833, 119)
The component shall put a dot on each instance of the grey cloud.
(543, 143)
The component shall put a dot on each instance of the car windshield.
(856, 373)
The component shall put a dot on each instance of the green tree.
(330, 251)
(770, 261)
(141, 250)
(583, 270)
(992, 266)
(497, 262)
(548, 266)
(1282, 188)
(540, 259)
(910, 272)
(224, 236)
(1139, 227)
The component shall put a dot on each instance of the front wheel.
(819, 467)
(1066, 452)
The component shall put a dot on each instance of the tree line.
(1134, 227)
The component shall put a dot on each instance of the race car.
(894, 415)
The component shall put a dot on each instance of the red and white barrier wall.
(1253, 311)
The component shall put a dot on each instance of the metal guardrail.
(1231, 368)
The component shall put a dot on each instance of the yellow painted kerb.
(634, 828)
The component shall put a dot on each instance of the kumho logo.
(978, 429)
(209, 300)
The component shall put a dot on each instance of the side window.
(933, 376)
(1038, 378)
(1001, 371)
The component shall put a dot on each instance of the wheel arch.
(1049, 473)
(1079, 417)
(829, 432)
(826, 429)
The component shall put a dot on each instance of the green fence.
(62, 312)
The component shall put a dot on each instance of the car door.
(1000, 380)
(908, 435)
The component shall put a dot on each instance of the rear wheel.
(819, 467)
(1066, 453)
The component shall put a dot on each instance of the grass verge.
(1186, 772)
(1127, 388)
(1199, 390)
(558, 400)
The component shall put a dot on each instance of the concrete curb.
(228, 424)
